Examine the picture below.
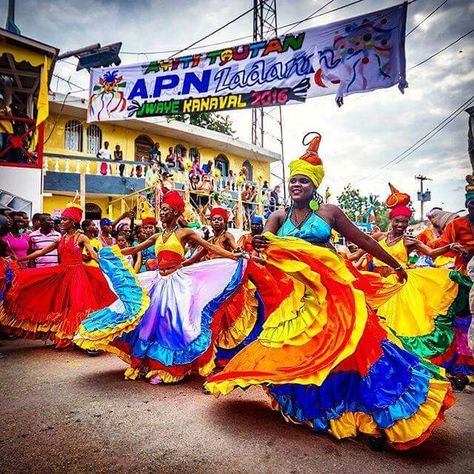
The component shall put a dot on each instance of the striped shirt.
(39, 241)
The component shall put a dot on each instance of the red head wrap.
(220, 211)
(149, 221)
(398, 202)
(73, 210)
(175, 201)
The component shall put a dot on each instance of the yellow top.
(96, 245)
(397, 251)
(171, 245)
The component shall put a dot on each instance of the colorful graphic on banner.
(354, 55)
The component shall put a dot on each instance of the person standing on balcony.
(118, 156)
(205, 188)
(275, 198)
(207, 167)
(155, 153)
(43, 237)
(6, 126)
(151, 180)
(106, 227)
(104, 154)
(170, 158)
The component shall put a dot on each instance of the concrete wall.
(24, 182)
(117, 135)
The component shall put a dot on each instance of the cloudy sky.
(359, 138)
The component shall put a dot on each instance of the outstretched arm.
(189, 235)
(424, 249)
(345, 227)
(40, 253)
(144, 245)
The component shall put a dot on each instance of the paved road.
(67, 412)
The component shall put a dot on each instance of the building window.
(182, 151)
(248, 166)
(73, 135)
(94, 139)
(222, 162)
(143, 145)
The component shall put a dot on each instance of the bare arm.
(40, 253)
(424, 249)
(189, 235)
(138, 262)
(197, 257)
(144, 245)
(231, 241)
(84, 240)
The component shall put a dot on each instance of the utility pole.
(421, 194)
(265, 26)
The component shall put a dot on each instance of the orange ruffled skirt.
(325, 361)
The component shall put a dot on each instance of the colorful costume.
(322, 356)
(50, 303)
(164, 326)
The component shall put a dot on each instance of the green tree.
(359, 207)
(209, 120)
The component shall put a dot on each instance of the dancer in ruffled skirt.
(50, 303)
(322, 357)
(166, 322)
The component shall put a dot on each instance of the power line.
(70, 83)
(426, 18)
(441, 50)
(248, 36)
(424, 139)
(213, 32)
(309, 16)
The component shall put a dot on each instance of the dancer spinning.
(322, 356)
(50, 303)
(422, 313)
(166, 323)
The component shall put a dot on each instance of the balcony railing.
(23, 147)
(199, 203)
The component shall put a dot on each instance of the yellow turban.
(309, 164)
(314, 172)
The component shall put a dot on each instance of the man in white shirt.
(104, 153)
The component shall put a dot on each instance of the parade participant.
(122, 243)
(41, 238)
(256, 228)
(459, 233)
(92, 232)
(423, 312)
(18, 242)
(221, 236)
(147, 255)
(167, 324)
(322, 357)
(50, 303)
(106, 227)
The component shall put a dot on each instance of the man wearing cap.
(106, 226)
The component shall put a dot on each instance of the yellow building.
(71, 147)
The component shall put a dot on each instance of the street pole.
(422, 179)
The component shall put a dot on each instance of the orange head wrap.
(398, 202)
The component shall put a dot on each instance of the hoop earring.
(314, 203)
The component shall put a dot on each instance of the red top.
(459, 230)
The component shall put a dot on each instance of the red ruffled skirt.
(50, 303)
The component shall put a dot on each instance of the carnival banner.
(358, 54)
